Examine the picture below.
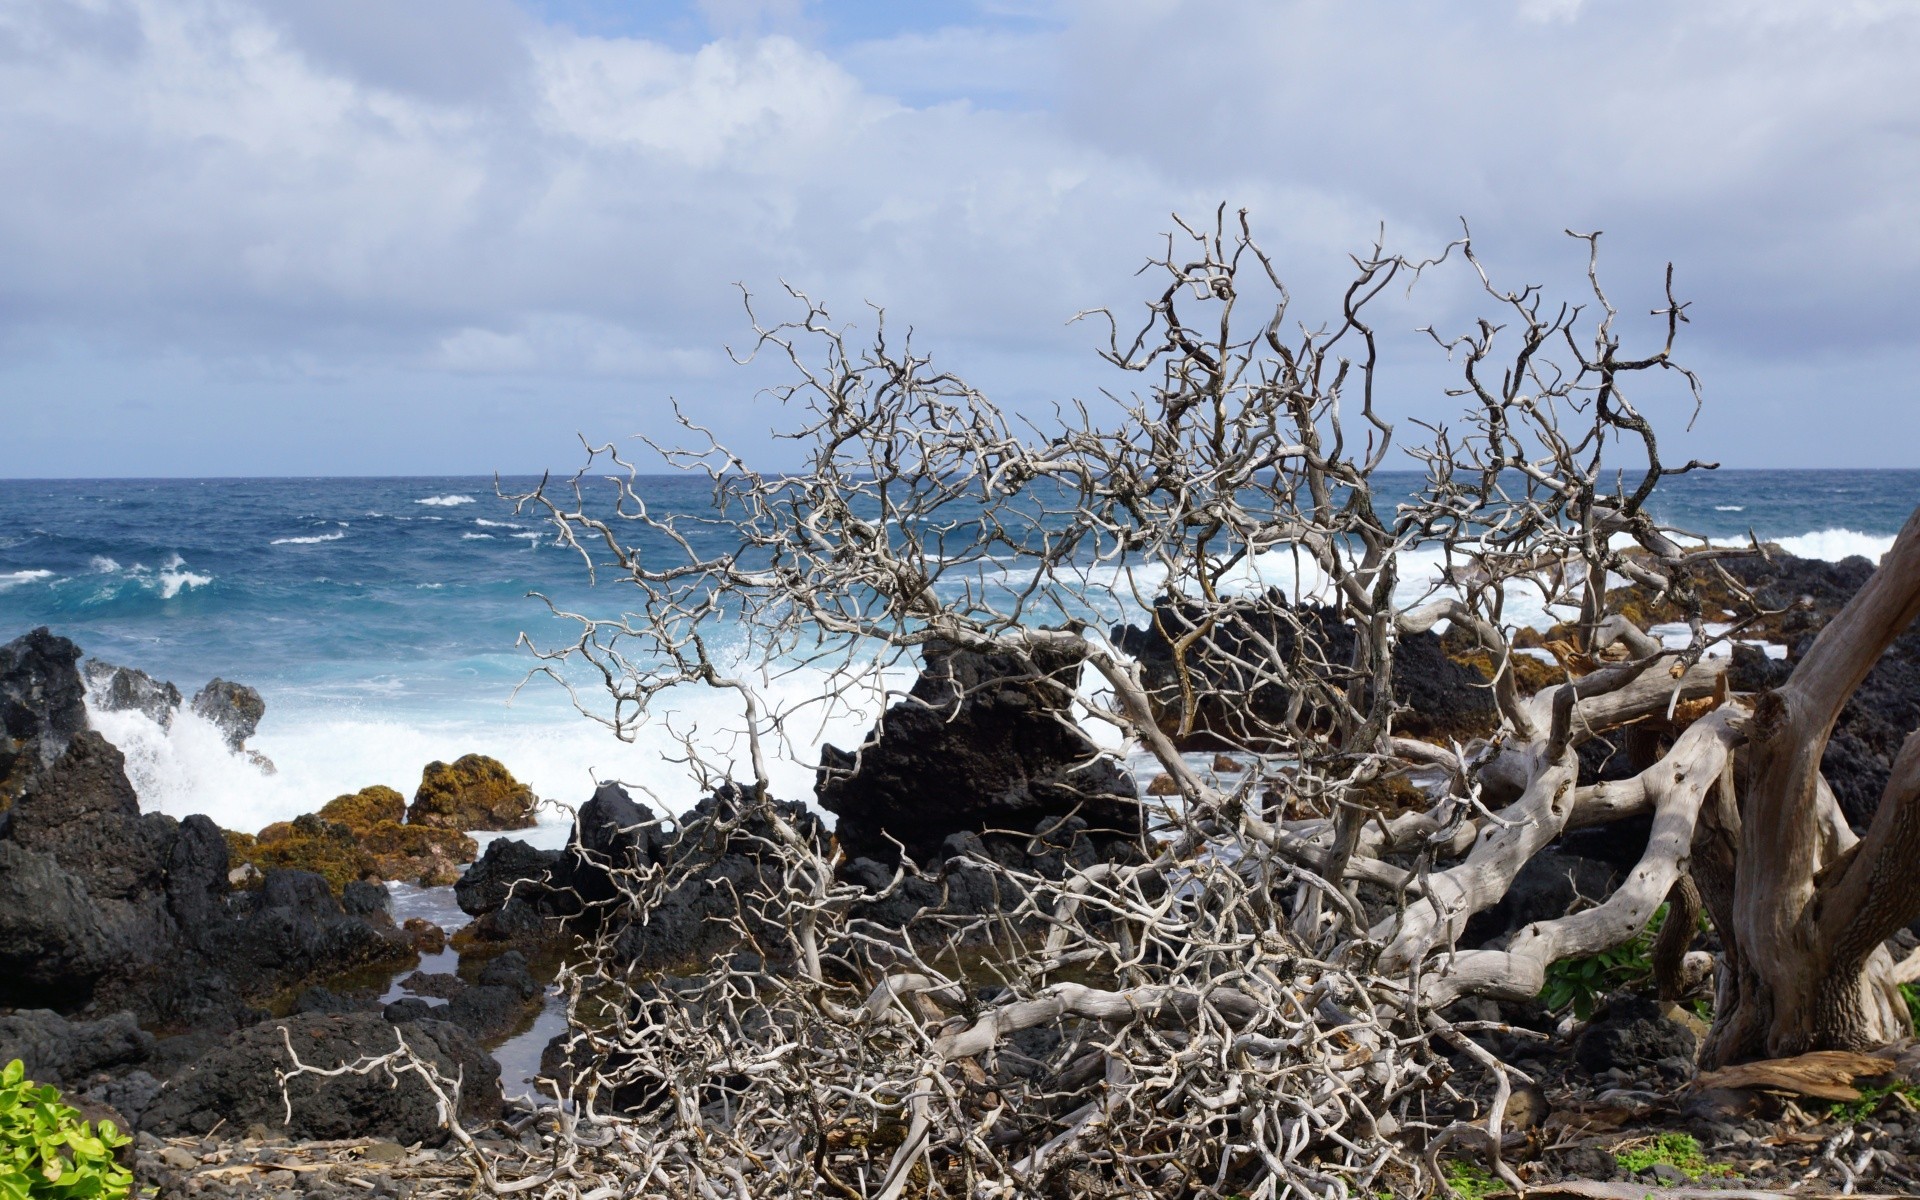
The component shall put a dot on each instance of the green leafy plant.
(1853, 1111)
(1578, 983)
(1471, 1181)
(1910, 992)
(1677, 1150)
(47, 1152)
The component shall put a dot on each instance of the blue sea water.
(379, 618)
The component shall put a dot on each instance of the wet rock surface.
(234, 708)
(42, 705)
(125, 689)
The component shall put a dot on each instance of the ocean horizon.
(381, 618)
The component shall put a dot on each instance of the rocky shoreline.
(164, 972)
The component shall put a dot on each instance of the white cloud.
(460, 192)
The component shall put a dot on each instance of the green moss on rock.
(473, 792)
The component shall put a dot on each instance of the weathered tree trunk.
(1802, 905)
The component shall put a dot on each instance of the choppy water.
(379, 619)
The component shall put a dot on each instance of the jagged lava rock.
(238, 1083)
(42, 705)
(472, 792)
(981, 743)
(125, 689)
(60, 1052)
(234, 708)
(1233, 709)
(509, 867)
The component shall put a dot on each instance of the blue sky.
(354, 236)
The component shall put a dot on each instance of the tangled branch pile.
(1251, 991)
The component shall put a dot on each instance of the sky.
(333, 237)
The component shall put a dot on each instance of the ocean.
(381, 620)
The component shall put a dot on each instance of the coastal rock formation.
(42, 705)
(359, 836)
(234, 708)
(1439, 695)
(238, 1083)
(125, 689)
(504, 998)
(472, 792)
(980, 743)
(58, 1051)
(510, 868)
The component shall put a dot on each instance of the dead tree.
(1256, 1003)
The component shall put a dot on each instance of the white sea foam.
(496, 524)
(476, 537)
(172, 583)
(1836, 544)
(13, 579)
(446, 501)
(315, 540)
(102, 565)
(1729, 508)
(554, 750)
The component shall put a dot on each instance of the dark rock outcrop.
(58, 1051)
(125, 689)
(42, 705)
(509, 868)
(1632, 1034)
(980, 743)
(1437, 695)
(237, 1082)
(472, 792)
(234, 708)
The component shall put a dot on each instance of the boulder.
(360, 836)
(197, 877)
(124, 689)
(472, 792)
(42, 706)
(611, 833)
(980, 743)
(61, 1052)
(1438, 695)
(509, 867)
(238, 1084)
(1633, 1034)
(365, 808)
(716, 858)
(234, 708)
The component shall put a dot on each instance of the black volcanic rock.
(58, 1051)
(1235, 710)
(55, 943)
(980, 743)
(234, 708)
(509, 867)
(42, 705)
(237, 1084)
(125, 689)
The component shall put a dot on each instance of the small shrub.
(1677, 1150)
(1854, 1111)
(47, 1152)
(1910, 992)
(1471, 1181)
(1579, 983)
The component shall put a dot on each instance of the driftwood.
(1257, 1001)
